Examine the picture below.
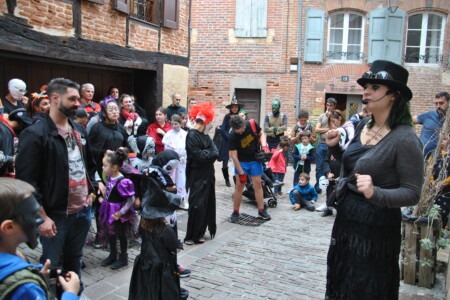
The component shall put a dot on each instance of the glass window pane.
(354, 36)
(353, 52)
(337, 21)
(434, 22)
(355, 21)
(335, 52)
(412, 55)
(336, 36)
(415, 22)
(432, 56)
(433, 38)
(413, 38)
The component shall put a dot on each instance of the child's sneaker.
(264, 215)
(183, 272)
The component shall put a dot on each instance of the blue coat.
(308, 192)
(10, 264)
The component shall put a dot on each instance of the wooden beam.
(22, 39)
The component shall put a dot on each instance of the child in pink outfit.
(278, 163)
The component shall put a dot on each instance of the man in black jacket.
(54, 156)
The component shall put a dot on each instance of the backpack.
(26, 275)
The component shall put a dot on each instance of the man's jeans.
(321, 155)
(70, 238)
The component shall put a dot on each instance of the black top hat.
(234, 102)
(388, 73)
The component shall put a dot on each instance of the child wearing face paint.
(117, 215)
(19, 222)
(175, 139)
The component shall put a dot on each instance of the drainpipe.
(299, 62)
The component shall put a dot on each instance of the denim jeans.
(321, 155)
(69, 241)
(280, 178)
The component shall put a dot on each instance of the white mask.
(17, 88)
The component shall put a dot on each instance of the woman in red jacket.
(158, 129)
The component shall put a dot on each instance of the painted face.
(175, 126)
(112, 111)
(107, 166)
(127, 103)
(17, 88)
(44, 106)
(276, 106)
(377, 98)
(160, 117)
(303, 181)
(115, 93)
(87, 93)
(26, 214)
(69, 102)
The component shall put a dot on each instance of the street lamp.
(393, 5)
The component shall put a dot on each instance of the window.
(146, 10)
(345, 37)
(424, 41)
(153, 11)
(251, 18)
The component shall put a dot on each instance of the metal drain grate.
(248, 220)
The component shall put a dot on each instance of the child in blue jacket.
(19, 223)
(303, 194)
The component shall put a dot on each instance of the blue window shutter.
(315, 23)
(395, 35)
(259, 18)
(386, 32)
(243, 18)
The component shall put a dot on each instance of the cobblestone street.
(284, 258)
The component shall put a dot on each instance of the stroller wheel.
(272, 202)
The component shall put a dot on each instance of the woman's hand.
(365, 185)
(332, 137)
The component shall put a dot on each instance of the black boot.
(226, 177)
(112, 254)
(121, 262)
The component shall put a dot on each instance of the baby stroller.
(267, 187)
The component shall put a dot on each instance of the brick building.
(139, 46)
(251, 48)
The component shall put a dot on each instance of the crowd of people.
(76, 160)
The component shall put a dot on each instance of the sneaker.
(234, 218)
(264, 215)
(184, 272)
(322, 207)
(327, 212)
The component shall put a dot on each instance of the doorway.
(251, 99)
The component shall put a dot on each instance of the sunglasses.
(380, 75)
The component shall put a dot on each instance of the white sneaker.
(322, 207)
(184, 205)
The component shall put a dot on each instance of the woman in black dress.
(383, 171)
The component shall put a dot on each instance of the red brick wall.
(102, 22)
(215, 60)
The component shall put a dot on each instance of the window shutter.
(170, 14)
(259, 18)
(122, 5)
(243, 18)
(386, 35)
(315, 22)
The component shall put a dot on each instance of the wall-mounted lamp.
(393, 5)
(331, 86)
